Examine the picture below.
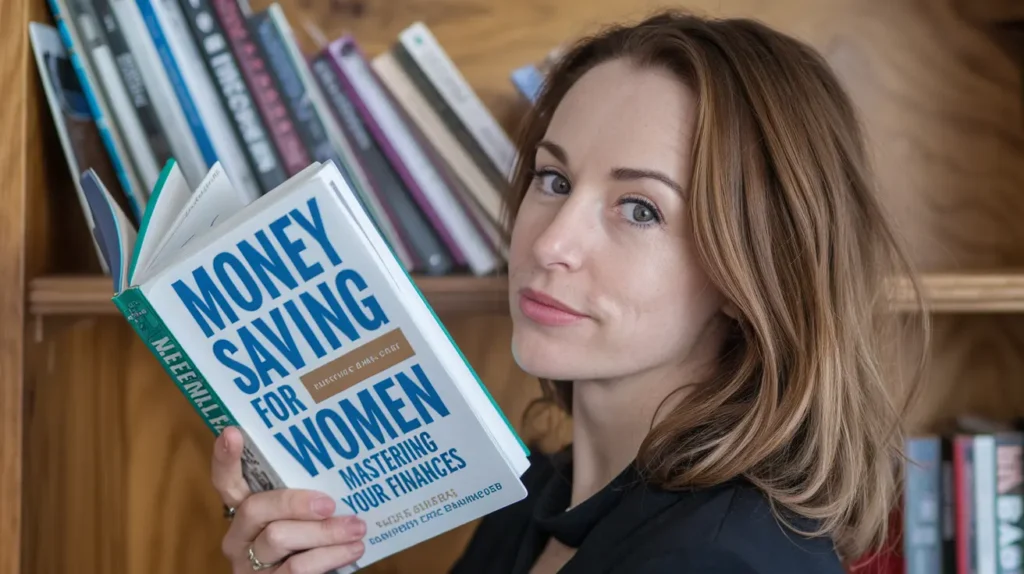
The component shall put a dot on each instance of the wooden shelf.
(968, 292)
(90, 295)
(943, 292)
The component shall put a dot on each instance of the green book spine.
(165, 347)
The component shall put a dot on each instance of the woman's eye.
(552, 182)
(639, 212)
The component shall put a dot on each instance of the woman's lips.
(547, 310)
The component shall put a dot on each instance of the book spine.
(966, 532)
(174, 360)
(147, 9)
(162, 343)
(985, 503)
(413, 164)
(922, 542)
(528, 80)
(79, 138)
(481, 223)
(200, 84)
(446, 78)
(183, 146)
(416, 230)
(94, 44)
(289, 84)
(448, 117)
(261, 86)
(108, 132)
(381, 121)
(133, 82)
(1009, 502)
(234, 94)
(349, 168)
(949, 521)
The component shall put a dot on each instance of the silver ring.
(229, 512)
(257, 565)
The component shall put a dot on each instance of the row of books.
(962, 506)
(134, 83)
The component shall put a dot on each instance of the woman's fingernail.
(358, 526)
(323, 506)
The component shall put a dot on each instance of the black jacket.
(632, 528)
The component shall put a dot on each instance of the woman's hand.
(292, 529)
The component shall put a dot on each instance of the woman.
(696, 268)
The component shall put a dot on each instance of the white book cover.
(291, 318)
(78, 134)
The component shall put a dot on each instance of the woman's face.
(604, 279)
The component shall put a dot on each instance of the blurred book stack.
(961, 508)
(133, 83)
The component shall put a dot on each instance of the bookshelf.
(945, 293)
(103, 467)
(448, 295)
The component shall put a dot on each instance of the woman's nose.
(565, 240)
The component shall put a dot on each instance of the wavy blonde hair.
(806, 403)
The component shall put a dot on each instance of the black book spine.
(416, 231)
(234, 94)
(948, 507)
(128, 69)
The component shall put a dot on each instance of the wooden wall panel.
(13, 45)
(116, 475)
(118, 480)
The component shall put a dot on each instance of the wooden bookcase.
(104, 467)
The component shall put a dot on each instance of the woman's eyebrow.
(555, 150)
(619, 173)
(630, 174)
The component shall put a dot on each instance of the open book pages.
(291, 318)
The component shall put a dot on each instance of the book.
(291, 318)
(76, 128)
(529, 78)
(419, 43)
(99, 107)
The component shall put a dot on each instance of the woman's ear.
(730, 310)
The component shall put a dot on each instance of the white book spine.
(985, 502)
(101, 110)
(172, 119)
(431, 125)
(452, 215)
(337, 137)
(121, 104)
(446, 78)
(200, 85)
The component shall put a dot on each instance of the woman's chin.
(545, 361)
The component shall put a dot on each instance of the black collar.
(571, 527)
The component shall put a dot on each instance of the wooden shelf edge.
(68, 295)
(970, 292)
(964, 292)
